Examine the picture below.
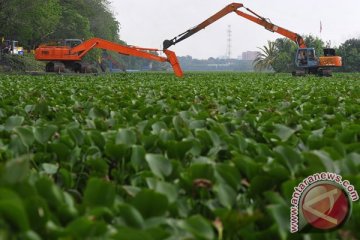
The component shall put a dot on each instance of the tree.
(284, 61)
(350, 53)
(72, 25)
(38, 21)
(266, 58)
(315, 42)
(102, 21)
(30, 23)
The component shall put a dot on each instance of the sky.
(146, 23)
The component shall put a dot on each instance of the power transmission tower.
(228, 48)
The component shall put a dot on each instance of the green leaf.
(159, 165)
(290, 158)
(50, 168)
(179, 124)
(281, 215)
(61, 150)
(17, 170)
(199, 227)
(76, 134)
(138, 157)
(178, 150)
(226, 195)
(96, 112)
(158, 126)
(98, 166)
(283, 132)
(99, 193)
(260, 184)
(130, 190)
(201, 171)
(65, 179)
(275, 197)
(29, 108)
(150, 203)
(229, 175)
(38, 212)
(13, 122)
(196, 124)
(26, 135)
(319, 161)
(60, 202)
(132, 234)
(130, 216)
(13, 210)
(166, 136)
(351, 164)
(159, 233)
(169, 190)
(41, 108)
(247, 166)
(44, 133)
(30, 235)
(97, 138)
(125, 136)
(85, 228)
(115, 151)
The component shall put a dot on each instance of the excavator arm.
(272, 27)
(61, 56)
(234, 7)
(223, 12)
(82, 49)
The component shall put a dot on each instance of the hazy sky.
(147, 23)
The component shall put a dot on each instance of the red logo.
(325, 206)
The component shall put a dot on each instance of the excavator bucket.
(167, 44)
(171, 56)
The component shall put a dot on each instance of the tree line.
(279, 55)
(32, 22)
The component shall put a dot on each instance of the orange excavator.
(69, 55)
(306, 61)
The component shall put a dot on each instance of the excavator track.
(325, 72)
(299, 73)
(55, 67)
(69, 67)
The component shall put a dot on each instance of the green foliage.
(148, 156)
(350, 53)
(32, 22)
(266, 58)
(16, 63)
(286, 55)
(315, 42)
(39, 21)
(72, 25)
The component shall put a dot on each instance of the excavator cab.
(306, 58)
(72, 42)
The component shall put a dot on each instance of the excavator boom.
(272, 27)
(234, 7)
(68, 55)
(223, 12)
